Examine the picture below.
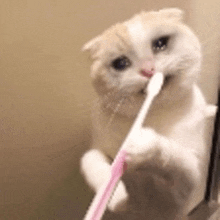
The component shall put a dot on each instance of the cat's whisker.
(132, 102)
(110, 94)
(115, 111)
(105, 98)
(87, 107)
(169, 64)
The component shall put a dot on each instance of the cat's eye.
(160, 44)
(121, 63)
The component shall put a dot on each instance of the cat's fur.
(168, 167)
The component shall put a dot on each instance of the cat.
(168, 162)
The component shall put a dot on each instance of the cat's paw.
(148, 147)
(141, 141)
(118, 202)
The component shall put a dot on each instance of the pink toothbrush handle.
(99, 203)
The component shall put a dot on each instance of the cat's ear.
(92, 46)
(172, 13)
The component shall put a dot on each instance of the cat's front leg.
(173, 167)
(146, 145)
(97, 170)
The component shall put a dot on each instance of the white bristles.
(155, 84)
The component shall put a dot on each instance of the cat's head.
(127, 55)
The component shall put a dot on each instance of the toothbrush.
(118, 167)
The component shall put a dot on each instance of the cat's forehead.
(138, 32)
(116, 39)
(135, 34)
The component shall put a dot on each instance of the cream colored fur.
(168, 167)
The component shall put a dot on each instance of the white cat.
(167, 172)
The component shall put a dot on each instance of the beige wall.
(45, 97)
(204, 17)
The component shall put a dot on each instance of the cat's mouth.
(167, 80)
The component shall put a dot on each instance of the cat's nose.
(147, 68)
